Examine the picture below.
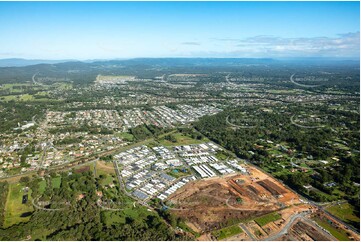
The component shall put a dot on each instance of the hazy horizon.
(356, 58)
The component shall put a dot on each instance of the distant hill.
(189, 61)
(81, 72)
(18, 62)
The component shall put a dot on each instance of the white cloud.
(344, 45)
(191, 43)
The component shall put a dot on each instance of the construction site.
(259, 205)
(215, 202)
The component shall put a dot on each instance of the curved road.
(45, 209)
(229, 82)
(33, 78)
(301, 85)
(287, 226)
(303, 126)
(237, 126)
(99, 203)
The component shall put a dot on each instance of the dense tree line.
(171, 138)
(145, 131)
(4, 189)
(82, 219)
(14, 113)
(277, 127)
(190, 132)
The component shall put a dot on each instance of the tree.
(24, 179)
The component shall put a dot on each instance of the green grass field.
(185, 227)
(114, 217)
(133, 213)
(178, 174)
(63, 85)
(275, 151)
(182, 140)
(41, 233)
(16, 92)
(14, 87)
(23, 97)
(227, 232)
(14, 207)
(345, 212)
(279, 91)
(55, 182)
(328, 196)
(221, 155)
(111, 218)
(105, 181)
(126, 136)
(262, 221)
(42, 93)
(42, 186)
(337, 233)
(104, 168)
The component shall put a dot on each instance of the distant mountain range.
(19, 62)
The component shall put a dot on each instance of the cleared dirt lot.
(213, 203)
(265, 207)
(306, 230)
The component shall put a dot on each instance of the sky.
(110, 30)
